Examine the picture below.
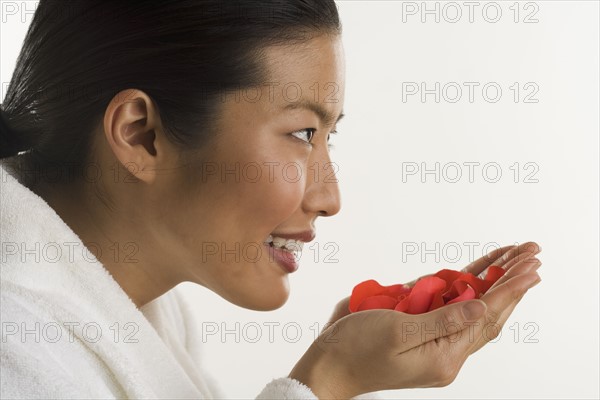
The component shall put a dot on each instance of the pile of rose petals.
(429, 293)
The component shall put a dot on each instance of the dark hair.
(78, 54)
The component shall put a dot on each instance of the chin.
(267, 305)
(264, 299)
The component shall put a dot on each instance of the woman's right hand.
(376, 350)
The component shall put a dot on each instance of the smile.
(284, 244)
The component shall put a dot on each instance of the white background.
(390, 226)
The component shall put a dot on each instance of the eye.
(329, 145)
(308, 132)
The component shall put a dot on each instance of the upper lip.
(306, 236)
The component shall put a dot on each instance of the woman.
(149, 144)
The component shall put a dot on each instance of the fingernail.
(473, 310)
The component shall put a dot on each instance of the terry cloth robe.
(70, 331)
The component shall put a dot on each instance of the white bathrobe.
(70, 331)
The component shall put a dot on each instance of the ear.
(134, 133)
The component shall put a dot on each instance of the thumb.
(444, 321)
(340, 311)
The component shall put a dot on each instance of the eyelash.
(312, 134)
(312, 131)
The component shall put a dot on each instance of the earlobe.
(130, 124)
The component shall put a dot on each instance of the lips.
(286, 260)
(285, 248)
(304, 236)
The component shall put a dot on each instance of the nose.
(322, 196)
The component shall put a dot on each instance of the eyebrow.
(325, 116)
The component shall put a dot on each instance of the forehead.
(309, 72)
(297, 75)
(319, 59)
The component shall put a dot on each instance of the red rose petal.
(377, 302)
(403, 304)
(422, 295)
(465, 291)
(494, 273)
(437, 302)
(479, 285)
(449, 275)
(452, 293)
(429, 293)
(362, 291)
(399, 290)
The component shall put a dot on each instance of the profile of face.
(266, 172)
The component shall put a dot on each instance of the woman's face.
(262, 175)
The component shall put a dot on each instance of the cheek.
(263, 185)
(277, 195)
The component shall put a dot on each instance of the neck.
(118, 241)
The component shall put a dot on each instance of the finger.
(509, 257)
(479, 265)
(498, 257)
(512, 262)
(527, 267)
(524, 256)
(499, 324)
(501, 321)
(416, 330)
(499, 305)
(521, 267)
(527, 247)
(506, 313)
(482, 331)
(503, 299)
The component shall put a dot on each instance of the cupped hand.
(385, 349)
(504, 257)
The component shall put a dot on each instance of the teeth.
(287, 244)
(279, 242)
(294, 245)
